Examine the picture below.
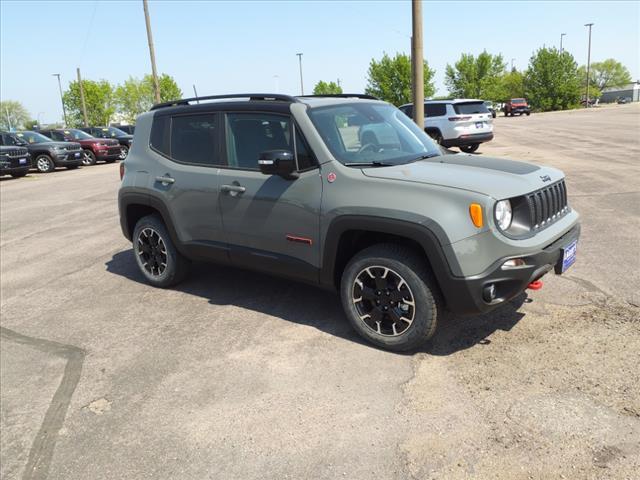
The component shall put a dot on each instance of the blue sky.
(224, 47)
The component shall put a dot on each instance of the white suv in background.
(463, 123)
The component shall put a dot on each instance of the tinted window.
(408, 110)
(159, 140)
(470, 108)
(194, 139)
(305, 158)
(249, 134)
(57, 136)
(435, 109)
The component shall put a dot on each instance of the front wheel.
(124, 151)
(528, 113)
(159, 261)
(469, 148)
(389, 297)
(88, 158)
(44, 164)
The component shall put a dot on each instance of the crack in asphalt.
(41, 451)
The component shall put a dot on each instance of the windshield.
(32, 137)
(364, 133)
(77, 134)
(113, 132)
(518, 100)
(468, 108)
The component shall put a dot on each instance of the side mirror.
(278, 162)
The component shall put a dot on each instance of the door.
(270, 223)
(185, 177)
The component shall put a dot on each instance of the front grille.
(547, 205)
(16, 152)
(114, 150)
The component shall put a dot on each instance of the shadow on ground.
(308, 305)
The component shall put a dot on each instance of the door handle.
(166, 180)
(232, 189)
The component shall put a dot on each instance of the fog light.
(489, 293)
(513, 263)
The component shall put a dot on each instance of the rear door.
(270, 223)
(472, 117)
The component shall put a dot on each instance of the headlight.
(503, 214)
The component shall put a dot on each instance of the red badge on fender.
(331, 177)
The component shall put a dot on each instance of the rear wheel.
(389, 297)
(44, 164)
(124, 151)
(89, 158)
(159, 261)
(470, 148)
(436, 136)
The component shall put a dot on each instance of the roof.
(451, 100)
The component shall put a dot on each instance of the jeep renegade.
(347, 193)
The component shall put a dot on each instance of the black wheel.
(435, 134)
(156, 256)
(124, 151)
(72, 167)
(506, 114)
(19, 174)
(469, 148)
(389, 297)
(44, 164)
(88, 158)
(528, 113)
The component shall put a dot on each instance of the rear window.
(469, 108)
(159, 140)
(518, 100)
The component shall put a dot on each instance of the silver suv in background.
(462, 123)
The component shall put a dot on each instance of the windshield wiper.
(424, 157)
(375, 163)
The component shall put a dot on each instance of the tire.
(528, 113)
(124, 151)
(19, 174)
(44, 164)
(419, 286)
(435, 135)
(506, 114)
(148, 231)
(89, 158)
(469, 148)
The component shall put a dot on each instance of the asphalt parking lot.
(235, 375)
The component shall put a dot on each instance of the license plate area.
(22, 161)
(479, 124)
(568, 257)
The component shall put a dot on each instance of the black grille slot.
(547, 205)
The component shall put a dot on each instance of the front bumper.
(13, 165)
(464, 295)
(111, 153)
(468, 139)
(67, 159)
(520, 110)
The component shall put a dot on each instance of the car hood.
(95, 141)
(496, 177)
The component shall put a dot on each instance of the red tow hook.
(537, 285)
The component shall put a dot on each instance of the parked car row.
(49, 149)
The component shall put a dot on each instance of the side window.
(194, 139)
(306, 160)
(249, 134)
(435, 109)
(57, 136)
(407, 110)
(160, 135)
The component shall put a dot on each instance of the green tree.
(552, 81)
(100, 100)
(390, 79)
(327, 88)
(13, 115)
(136, 96)
(512, 86)
(476, 77)
(606, 74)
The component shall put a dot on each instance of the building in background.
(630, 93)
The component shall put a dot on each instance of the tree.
(136, 96)
(552, 81)
(607, 74)
(327, 88)
(100, 101)
(512, 86)
(390, 79)
(13, 115)
(476, 77)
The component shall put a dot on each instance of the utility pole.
(561, 35)
(512, 64)
(64, 110)
(588, 62)
(300, 62)
(152, 53)
(417, 61)
(6, 110)
(84, 105)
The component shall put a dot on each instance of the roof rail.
(342, 95)
(250, 96)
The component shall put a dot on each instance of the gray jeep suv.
(346, 193)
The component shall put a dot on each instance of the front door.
(270, 223)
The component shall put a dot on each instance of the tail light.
(121, 170)
(459, 119)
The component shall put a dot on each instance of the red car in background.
(516, 105)
(94, 149)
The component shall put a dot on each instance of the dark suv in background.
(14, 160)
(130, 129)
(45, 153)
(94, 149)
(123, 138)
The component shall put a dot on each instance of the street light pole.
(300, 62)
(152, 53)
(64, 110)
(417, 62)
(561, 35)
(512, 64)
(588, 62)
(84, 104)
